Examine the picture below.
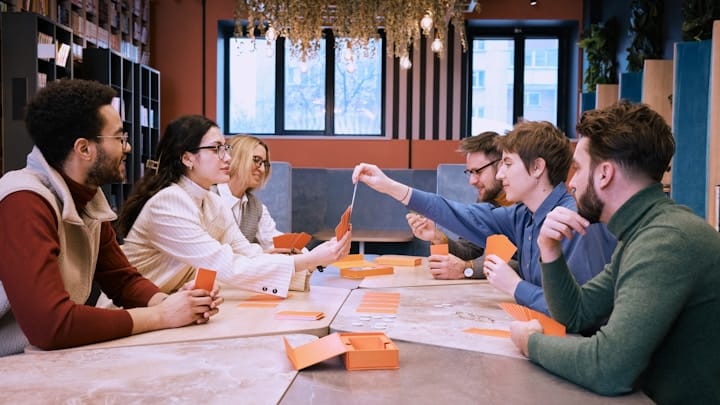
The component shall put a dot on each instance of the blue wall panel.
(691, 102)
(631, 86)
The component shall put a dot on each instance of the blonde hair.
(242, 163)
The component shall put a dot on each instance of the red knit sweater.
(29, 248)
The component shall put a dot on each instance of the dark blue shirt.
(586, 255)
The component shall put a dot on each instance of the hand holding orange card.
(500, 246)
(205, 279)
(521, 313)
(440, 250)
(344, 224)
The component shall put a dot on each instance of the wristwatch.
(469, 272)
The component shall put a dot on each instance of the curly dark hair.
(182, 135)
(64, 111)
(633, 135)
(540, 139)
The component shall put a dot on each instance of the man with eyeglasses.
(536, 157)
(57, 238)
(466, 258)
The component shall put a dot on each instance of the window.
(478, 79)
(268, 91)
(521, 70)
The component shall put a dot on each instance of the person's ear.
(538, 167)
(187, 160)
(83, 148)
(606, 173)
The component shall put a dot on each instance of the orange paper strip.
(489, 332)
(205, 279)
(292, 240)
(398, 260)
(300, 315)
(441, 249)
(500, 246)
(377, 310)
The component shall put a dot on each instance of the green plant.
(600, 42)
(698, 17)
(646, 31)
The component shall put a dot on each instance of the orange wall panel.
(429, 154)
(330, 153)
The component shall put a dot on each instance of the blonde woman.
(249, 171)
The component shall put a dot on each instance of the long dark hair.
(181, 135)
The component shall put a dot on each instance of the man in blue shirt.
(535, 162)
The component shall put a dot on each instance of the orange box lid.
(205, 279)
(440, 250)
(398, 260)
(364, 271)
(363, 351)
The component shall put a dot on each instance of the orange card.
(441, 249)
(500, 246)
(489, 332)
(205, 279)
(344, 224)
(300, 315)
(292, 240)
(521, 313)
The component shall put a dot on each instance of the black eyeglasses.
(123, 139)
(469, 172)
(259, 161)
(221, 150)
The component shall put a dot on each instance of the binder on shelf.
(61, 56)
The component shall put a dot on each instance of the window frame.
(564, 32)
(226, 31)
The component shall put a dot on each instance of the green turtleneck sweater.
(661, 292)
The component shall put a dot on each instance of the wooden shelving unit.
(103, 40)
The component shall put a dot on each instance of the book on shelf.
(61, 56)
(41, 80)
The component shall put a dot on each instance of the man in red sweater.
(57, 238)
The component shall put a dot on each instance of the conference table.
(240, 357)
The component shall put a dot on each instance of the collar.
(551, 201)
(625, 218)
(197, 193)
(230, 199)
(75, 197)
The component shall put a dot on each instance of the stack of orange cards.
(354, 260)
(300, 315)
(521, 313)
(292, 240)
(379, 303)
(500, 246)
(365, 271)
(205, 279)
(398, 260)
(344, 224)
(440, 250)
(362, 351)
(261, 301)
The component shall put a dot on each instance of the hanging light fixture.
(302, 22)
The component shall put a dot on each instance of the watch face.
(468, 272)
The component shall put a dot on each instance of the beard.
(105, 170)
(589, 206)
(490, 194)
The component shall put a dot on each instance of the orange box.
(441, 250)
(364, 271)
(398, 260)
(205, 279)
(362, 350)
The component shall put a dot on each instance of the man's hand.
(559, 224)
(424, 228)
(500, 274)
(446, 267)
(520, 333)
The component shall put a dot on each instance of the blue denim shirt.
(586, 255)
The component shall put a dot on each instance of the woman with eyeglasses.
(173, 223)
(249, 170)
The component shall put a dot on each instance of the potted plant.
(698, 17)
(600, 43)
(646, 31)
